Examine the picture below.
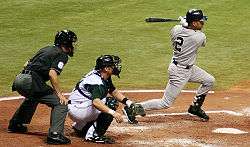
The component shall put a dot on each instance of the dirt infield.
(168, 127)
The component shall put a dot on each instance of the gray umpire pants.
(27, 86)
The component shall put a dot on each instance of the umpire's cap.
(65, 37)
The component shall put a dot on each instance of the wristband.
(124, 100)
(112, 112)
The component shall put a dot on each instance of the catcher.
(90, 108)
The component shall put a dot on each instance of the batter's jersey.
(90, 87)
(185, 43)
(50, 57)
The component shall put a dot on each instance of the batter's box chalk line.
(186, 113)
(125, 91)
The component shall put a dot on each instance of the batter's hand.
(183, 21)
(118, 117)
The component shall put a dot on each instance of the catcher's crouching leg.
(104, 119)
(103, 122)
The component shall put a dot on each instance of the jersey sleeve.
(203, 39)
(59, 62)
(98, 91)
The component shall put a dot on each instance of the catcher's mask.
(195, 15)
(68, 39)
(109, 61)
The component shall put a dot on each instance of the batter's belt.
(182, 66)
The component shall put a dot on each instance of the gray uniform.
(185, 43)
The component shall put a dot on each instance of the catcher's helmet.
(109, 61)
(66, 38)
(195, 15)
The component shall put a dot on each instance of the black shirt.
(50, 57)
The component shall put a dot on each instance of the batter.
(186, 39)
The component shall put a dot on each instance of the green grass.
(118, 27)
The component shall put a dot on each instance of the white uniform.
(182, 69)
(81, 110)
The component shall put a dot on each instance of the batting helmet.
(66, 38)
(195, 15)
(109, 61)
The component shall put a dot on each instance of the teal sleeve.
(98, 91)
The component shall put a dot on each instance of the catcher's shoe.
(100, 139)
(17, 128)
(195, 110)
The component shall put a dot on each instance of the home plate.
(229, 131)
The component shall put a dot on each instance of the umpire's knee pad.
(112, 103)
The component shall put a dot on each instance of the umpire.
(45, 66)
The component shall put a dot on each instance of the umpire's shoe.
(17, 128)
(100, 139)
(195, 110)
(57, 138)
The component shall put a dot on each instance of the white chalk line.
(123, 91)
(186, 113)
(229, 112)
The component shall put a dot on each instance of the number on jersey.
(178, 43)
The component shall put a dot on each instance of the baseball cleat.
(198, 112)
(57, 138)
(17, 128)
(129, 113)
(100, 139)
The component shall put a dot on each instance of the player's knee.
(210, 81)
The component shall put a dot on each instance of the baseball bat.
(155, 19)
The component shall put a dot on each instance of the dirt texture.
(166, 127)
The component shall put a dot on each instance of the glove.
(137, 109)
(183, 21)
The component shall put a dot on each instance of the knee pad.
(112, 103)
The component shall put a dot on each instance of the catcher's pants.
(178, 78)
(83, 112)
(24, 84)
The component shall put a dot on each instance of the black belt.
(26, 72)
(185, 67)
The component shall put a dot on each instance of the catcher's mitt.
(132, 111)
(137, 109)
